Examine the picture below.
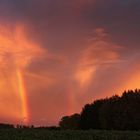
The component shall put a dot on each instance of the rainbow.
(23, 98)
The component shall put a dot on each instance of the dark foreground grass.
(42, 134)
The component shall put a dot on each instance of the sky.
(58, 55)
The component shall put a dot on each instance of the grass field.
(42, 134)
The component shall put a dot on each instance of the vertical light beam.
(22, 94)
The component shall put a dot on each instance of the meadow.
(43, 134)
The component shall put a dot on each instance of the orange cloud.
(100, 51)
(15, 47)
(16, 53)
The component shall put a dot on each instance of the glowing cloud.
(100, 51)
(16, 48)
(16, 53)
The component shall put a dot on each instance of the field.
(42, 134)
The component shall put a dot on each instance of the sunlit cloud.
(16, 53)
(15, 47)
(99, 51)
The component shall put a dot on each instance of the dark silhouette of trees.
(119, 113)
(90, 115)
(110, 113)
(130, 102)
(6, 126)
(114, 113)
(70, 122)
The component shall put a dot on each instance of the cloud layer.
(91, 51)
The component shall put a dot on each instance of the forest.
(113, 113)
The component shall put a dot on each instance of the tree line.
(114, 113)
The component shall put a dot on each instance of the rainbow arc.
(22, 93)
